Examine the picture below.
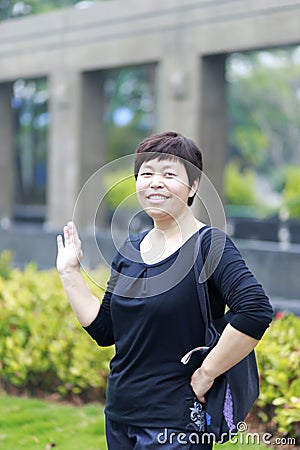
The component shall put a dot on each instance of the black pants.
(122, 436)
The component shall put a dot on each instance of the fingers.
(66, 235)
(200, 385)
(199, 396)
(74, 234)
(60, 244)
(70, 238)
(73, 229)
(69, 233)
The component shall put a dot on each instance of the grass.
(35, 424)
(30, 424)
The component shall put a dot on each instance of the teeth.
(157, 197)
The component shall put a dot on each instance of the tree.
(130, 111)
(264, 113)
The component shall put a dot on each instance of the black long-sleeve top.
(152, 315)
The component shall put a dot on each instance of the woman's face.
(163, 188)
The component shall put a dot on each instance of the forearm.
(84, 304)
(232, 347)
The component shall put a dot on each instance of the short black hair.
(167, 145)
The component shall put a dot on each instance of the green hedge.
(278, 355)
(42, 346)
(44, 349)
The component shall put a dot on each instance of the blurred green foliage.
(291, 192)
(42, 346)
(278, 355)
(130, 107)
(120, 188)
(264, 108)
(264, 122)
(240, 185)
(5, 264)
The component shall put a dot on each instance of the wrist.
(69, 272)
(206, 372)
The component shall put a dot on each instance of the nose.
(156, 180)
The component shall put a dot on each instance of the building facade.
(187, 42)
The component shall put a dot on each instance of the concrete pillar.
(64, 147)
(93, 152)
(212, 138)
(213, 122)
(6, 154)
(77, 149)
(178, 94)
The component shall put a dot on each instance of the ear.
(194, 187)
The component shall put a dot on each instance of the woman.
(151, 311)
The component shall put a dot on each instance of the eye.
(170, 174)
(146, 174)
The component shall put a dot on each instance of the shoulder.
(212, 237)
(217, 248)
(215, 238)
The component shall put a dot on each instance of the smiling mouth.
(157, 197)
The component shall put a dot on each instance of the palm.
(69, 252)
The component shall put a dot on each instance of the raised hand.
(69, 251)
(69, 254)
